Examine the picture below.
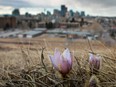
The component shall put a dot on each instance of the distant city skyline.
(92, 7)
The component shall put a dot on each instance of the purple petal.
(91, 57)
(67, 55)
(57, 53)
(54, 62)
(65, 66)
(57, 57)
(99, 61)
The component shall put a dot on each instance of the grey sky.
(94, 7)
(103, 3)
(15, 3)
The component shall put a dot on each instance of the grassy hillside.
(25, 65)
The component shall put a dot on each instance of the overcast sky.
(92, 7)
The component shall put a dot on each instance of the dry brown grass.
(24, 65)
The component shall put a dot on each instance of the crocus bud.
(94, 81)
(95, 63)
(62, 62)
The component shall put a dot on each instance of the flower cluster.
(63, 62)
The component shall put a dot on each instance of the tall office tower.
(63, 10)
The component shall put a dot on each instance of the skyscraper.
(82, 13)
(63, 10)
(71, 12)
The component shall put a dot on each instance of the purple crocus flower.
(95, 62)
(62, 62)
